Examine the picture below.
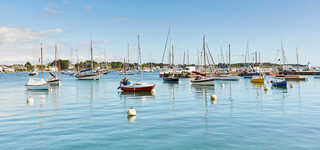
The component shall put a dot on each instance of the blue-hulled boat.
(279, 83)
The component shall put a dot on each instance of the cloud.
(18, 34)
(52, 8)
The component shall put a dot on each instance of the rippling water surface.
(92, 115)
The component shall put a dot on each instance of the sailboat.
(105, 70)
(38, 84)
(89, 74)
(284, 72)
(258, 79)
(127, 86)
(227, 76)
(202, 79)
(171, 77)
(54, 80)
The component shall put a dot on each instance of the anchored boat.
(257, 79)
(279, 83)
(202, 79)
(127, 86)
(89, 74)
(38, 84)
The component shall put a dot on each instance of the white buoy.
(291, 85)
(153, 92)
(266, 88)
(30, 100)
(132, 112)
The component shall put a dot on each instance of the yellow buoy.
(30, 100)
(291, 85)
(132, 112)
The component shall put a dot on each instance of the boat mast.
(298, 66)
(229, 59)
(41, 61)
(55, 58)
(91, 50)
(171, 48)
(140, 61)
(184, 58)
(78, 66)
(188, 61)
(204, 55)
(165, 46)
(283, 56)
(246, 56)
(105, 59)
(128, 53)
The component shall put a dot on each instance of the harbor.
(94, 114)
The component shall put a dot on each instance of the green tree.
(61, 64)
(29, 66)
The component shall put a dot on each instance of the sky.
(113, 24)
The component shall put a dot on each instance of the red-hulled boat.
(138, 87)
(127, 86)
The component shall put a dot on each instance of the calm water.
(92, 115)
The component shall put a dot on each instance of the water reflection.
(131, 119)
(39, 96)
(202, 89)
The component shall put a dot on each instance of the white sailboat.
(54, 80)
(89, 74)
(36, 83)
(202, 79)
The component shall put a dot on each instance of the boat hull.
(170, 79)
(279, 84)
(257, 80)
(38, 87)
(54, 82)
(206, 82)
(88, 77)
(227, 78)
(137, 89)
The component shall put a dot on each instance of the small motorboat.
(226, 77)
(203, 80)
(294, 78)
(37, 84)
(88, 74)
(257, 79)
(129, 72)
(68, 72)
(33, 73)
(279, 83)
(171, 78)
(105, 72)
(54, 80)
(127, 86)
(316, 77)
